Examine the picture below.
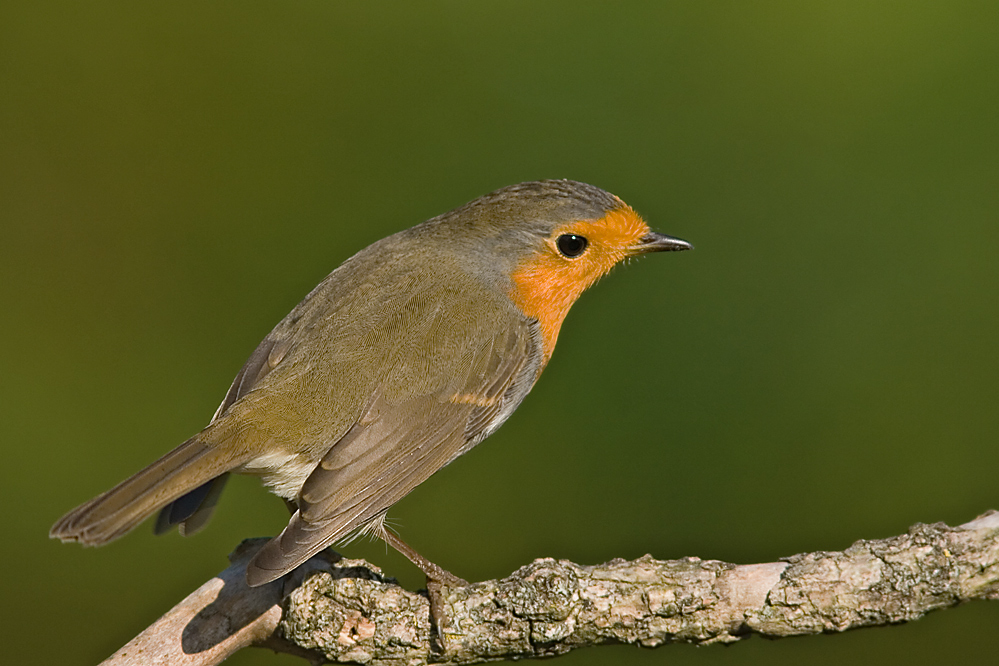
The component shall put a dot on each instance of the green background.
(823, 368)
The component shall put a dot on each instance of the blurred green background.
(823, 368)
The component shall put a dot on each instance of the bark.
(350, 612)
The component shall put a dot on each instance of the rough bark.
(351, 613)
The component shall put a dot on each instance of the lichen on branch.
(352, 613)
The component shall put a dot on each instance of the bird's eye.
(571, 245)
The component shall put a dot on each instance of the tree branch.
(351, 613)
(220, 617)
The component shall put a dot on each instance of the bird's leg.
(437, 577)
(433, 571)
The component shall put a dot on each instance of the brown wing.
(396, 446)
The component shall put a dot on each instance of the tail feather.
(190, 512)
(112, 514)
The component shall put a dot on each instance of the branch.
(351, 613)
(219, 618)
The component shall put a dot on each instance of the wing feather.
(394, 447)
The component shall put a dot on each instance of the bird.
(403, 358)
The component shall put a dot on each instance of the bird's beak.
(654, 242)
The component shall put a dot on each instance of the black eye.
(571, 245)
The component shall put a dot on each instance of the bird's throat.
(546, 283)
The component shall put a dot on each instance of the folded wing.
(396, 445)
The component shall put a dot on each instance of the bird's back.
(396, 320)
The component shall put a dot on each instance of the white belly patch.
(283, 473)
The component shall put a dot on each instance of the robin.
(405, 357)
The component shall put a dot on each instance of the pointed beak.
(654, 242)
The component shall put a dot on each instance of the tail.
(112, 514)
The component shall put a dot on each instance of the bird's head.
(550, 240)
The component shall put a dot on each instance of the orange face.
(546, 284)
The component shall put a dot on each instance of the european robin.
(405, 357)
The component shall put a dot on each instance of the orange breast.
(546, 284)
